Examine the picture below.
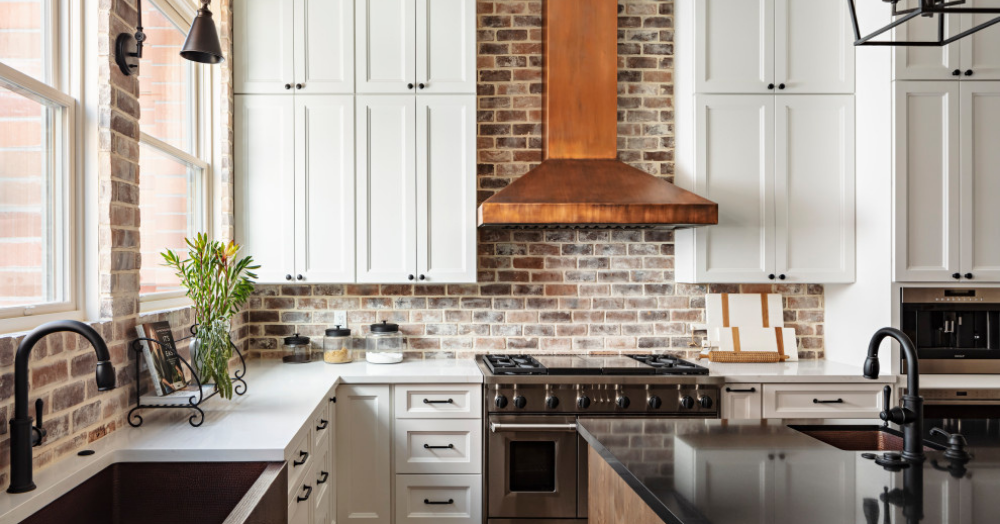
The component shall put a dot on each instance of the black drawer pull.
(449, 446)
(323, 424)
(750, 390)
(309, 492)
(304, 455)
(429, 401)
(818, 401)
(438, 502)
(322, 477)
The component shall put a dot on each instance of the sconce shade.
(202, 43)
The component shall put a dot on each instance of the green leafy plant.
(219, 285)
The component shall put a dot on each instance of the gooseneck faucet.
(22, 435)
(911, 415)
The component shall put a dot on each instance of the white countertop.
(811, 371)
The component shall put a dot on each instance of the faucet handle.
(37, 431)
(886, 405)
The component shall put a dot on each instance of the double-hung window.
(40, 272)
(173, 176)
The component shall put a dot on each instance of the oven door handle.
(496, 428)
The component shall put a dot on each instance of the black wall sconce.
(202, 43)
(927, 9)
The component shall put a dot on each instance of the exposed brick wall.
(553, 291)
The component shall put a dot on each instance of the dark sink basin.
(860, 438)
(173, 492)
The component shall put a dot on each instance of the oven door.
(532, 467)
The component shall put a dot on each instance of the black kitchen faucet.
(911, 415)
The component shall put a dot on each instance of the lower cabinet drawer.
(299, 462)
(426, 499)
(438, 446)
(822, 400)
(741, 401)
(301, 502)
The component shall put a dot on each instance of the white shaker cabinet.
(970, 58)
(416, 46)
(980, 186)
(301, 46)
(364, 437)
(776, 46)
(416, 189)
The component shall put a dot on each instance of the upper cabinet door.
(264, 183)
(979, 51)
(386, 188)
(813, 47)
(927, 181)
(926, 63)
(980, 184)
(324, 46)
(734, 46)
(734, 167)
(385, 55)
(814, 188)
(446, 46)
(263, 44)
(446, 188)
(324, 180)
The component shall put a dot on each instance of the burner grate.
(670, 365)
(514, 365)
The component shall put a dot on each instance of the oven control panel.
(663, 399)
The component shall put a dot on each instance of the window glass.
(24, 43)
(165, 82)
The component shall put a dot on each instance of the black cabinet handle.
(968, 72)
(771, 276)
(410, 277)
(429, 401)
(449, 446)
(309, 492)
(322, 477)
(750, 390)
(333, 399)
(323, 424)
(969, 276)
(288, 86)
(781, 86)
(421, 86)
(299, 277)
(288, 277)
(781, 276)
(770, 86)
(957, 72)
(439, 502)
(423, 277)
(299, 86)
(409, 86)
(304, 455)
(818, 401)
(956, 276)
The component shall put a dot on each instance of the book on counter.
(162, 360)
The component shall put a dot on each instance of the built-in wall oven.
(955, 330)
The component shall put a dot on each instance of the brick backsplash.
(545, 291)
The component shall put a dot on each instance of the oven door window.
(532, 466)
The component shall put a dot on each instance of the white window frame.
(182, 14)
(67, 199)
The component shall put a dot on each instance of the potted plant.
(219, 285)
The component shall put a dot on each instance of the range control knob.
(500, 401)
(705, 401)
(655, 402)
(623, 402)
(552, 402)
(687, 402)
(520, 402)
(583, 402)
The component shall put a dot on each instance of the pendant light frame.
(927, 8)
(202, 43)
(128, 47)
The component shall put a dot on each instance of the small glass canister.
(384, 344)
(337, 346)
(297, 349)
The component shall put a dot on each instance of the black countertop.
(701, 471)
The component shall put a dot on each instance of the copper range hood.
(579, 183)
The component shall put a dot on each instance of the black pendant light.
(926, 9)
(128, 47)
(202, 44)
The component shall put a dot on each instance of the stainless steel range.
(536, 464)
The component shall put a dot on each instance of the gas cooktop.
(591, 365)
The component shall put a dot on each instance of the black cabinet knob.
(288, 86)
(552, 402)
(409, 86)
(421, 86)
(655, 402)
(781, 86)
(288, 277)
(520, 402)
(687, 402)
(968, 72)
(583, 402)
(969, 276)
(410, 277)
(771, 276)
(956, 276)
(705, 402)
(623, 402)
(423, 277)
(956, 72)
(299, 86)
(770, 86)
(781, 276)
(299, 277)
(500, 401)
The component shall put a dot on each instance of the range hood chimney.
(580, 183)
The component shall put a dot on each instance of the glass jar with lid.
(384, 343)
(298, 349)
(337, 346)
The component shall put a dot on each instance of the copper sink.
(860, 438)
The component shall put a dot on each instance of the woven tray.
(758, 357)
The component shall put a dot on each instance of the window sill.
(14, 325)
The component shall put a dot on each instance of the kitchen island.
(700, 471)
